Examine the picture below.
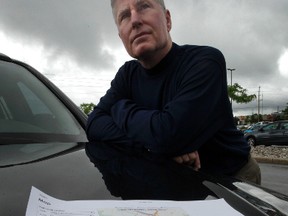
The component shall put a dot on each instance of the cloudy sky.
(76, 45)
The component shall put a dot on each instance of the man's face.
(143, 27)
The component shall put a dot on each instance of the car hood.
(69, 176)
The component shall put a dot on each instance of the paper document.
(41, 204)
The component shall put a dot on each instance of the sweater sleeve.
(190, 119)
(100, 125)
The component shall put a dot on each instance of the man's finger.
(178, 159)
(186, 158)
(197, 162)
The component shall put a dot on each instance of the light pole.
(231, 70)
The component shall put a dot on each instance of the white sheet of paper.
(41, 204)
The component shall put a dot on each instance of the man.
(171, 103)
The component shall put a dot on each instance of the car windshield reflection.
(16, 154)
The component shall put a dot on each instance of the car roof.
(5, 57)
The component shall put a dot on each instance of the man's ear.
(168, 20)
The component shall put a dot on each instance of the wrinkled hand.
(189, 159)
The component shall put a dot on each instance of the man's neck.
(152, 59)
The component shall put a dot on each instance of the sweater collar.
(165, 62)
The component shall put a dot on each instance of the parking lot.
(275, 177)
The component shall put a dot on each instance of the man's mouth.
(137, 36)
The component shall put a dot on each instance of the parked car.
(275, 133)
(242, 127)
(255, 127)
(42, 142)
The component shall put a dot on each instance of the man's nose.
(136, 19)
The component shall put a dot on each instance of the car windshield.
(33, 121)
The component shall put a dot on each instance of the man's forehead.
(123, 6)
(125, 3)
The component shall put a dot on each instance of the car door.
(268, 135)
(283, 138)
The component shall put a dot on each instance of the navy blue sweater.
(179, 106)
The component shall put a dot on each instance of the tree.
(238, 94)
(285, 112)
(87, 107)
(254, 118)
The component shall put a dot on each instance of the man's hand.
(189, 159)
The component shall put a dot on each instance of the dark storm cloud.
(251, 34)
(73, 27)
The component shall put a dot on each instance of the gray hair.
(161, 2)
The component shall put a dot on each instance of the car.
(42, 145)
(242, 127)
(254, 127)
(42, 141)
(275, 133)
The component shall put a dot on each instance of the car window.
(34, 123)
(256, 127)
(270, 127)
(28, 106)
(284, 125)
(36, 105)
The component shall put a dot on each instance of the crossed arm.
(119, 120)
(120, 138)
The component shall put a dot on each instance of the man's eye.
(123, 16)
(143, 6)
